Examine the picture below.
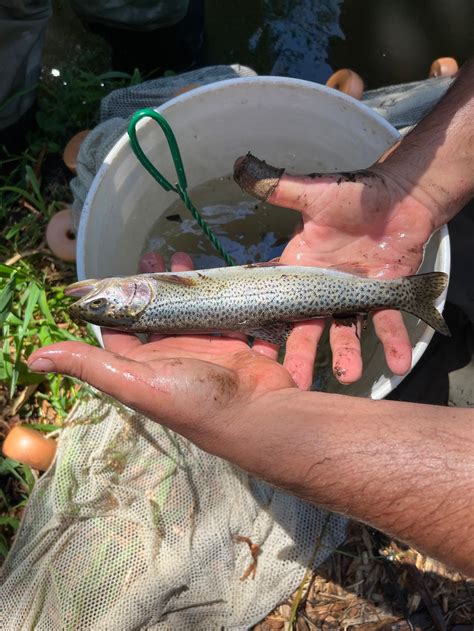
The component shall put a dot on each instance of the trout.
(259, 300)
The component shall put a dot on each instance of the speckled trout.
(260, 300)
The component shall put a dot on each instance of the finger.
(300, 354)
(391, 331)
(181, 262)
(150, 263)
(118, 341)
(266, 349)
(268, 183)
(123, 379)
(344, 339)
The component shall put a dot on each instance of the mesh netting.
(133, 528)
(405, 104)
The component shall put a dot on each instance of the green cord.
(180, 188)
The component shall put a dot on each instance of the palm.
(373, 232)
(250, 370)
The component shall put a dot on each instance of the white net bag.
(134, 527)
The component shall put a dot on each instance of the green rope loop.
(180, 188)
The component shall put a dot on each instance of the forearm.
(435, 162)
(406, 469)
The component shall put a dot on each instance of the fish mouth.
(82, 288)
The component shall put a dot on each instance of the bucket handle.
(180, 188)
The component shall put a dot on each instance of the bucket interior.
(299, 125)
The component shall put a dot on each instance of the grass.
(33, 308)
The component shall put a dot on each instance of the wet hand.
(196, 385)
(363, 223)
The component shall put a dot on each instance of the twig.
(23, 255)
(254, 551)
(26, 204)
(23, 397)
(305, 584)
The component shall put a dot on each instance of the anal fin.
(274, 332)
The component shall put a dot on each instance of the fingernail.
(42, 364)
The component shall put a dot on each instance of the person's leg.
(22, 30)
(143, 15)
(152, 35)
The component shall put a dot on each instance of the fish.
(259, 300)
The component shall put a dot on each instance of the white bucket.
(302, 126)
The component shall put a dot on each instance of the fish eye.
(98, 303)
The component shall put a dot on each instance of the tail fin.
(423, 291)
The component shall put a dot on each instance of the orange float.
(30, 447)
(347, 81)
(71, 150)
(443, 67)
(60, 235)
(187, 88)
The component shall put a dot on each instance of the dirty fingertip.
(347, 367)
(238, 162)
(151, 262)
(256, 177)
(399, 358)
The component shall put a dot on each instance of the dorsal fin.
(272, 263)
(176, 279)
(355, 269)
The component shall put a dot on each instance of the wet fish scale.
(250, 299)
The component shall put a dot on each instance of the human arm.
(406, 469)
(375, 222)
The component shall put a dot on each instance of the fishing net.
(133, 527)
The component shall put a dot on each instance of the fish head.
(111, 302)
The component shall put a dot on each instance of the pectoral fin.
(275, 333)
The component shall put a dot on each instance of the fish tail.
(423, 291)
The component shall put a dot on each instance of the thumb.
(273, 185)
(121, 378)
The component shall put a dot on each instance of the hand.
(199, 386)
(363, 223)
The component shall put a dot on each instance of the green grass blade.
(6, 271)
(44, 308)
(44, 427)
(6, 520)
(32, 301)
(33, 181)
(22, 193)
(6, 299)
(3, 546)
